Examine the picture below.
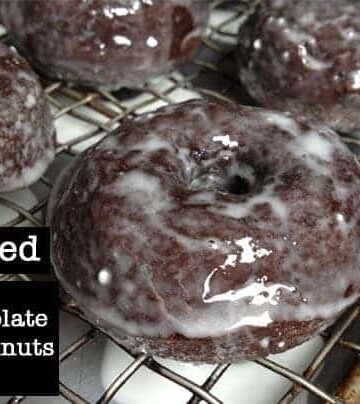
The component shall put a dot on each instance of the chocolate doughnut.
(108, 43)
(211, 233)
(304, 57)
(26, 131)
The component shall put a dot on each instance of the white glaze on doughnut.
(26, 131)
(100, 43)
(202, 260)
(308, 61)
(282, 121)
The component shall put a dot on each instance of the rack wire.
(107, 110)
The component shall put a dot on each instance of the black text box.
(24, 250)
(31, 371)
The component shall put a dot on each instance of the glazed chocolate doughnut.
(109, 43)
(211, 233)
(26, 131)
(304, 57)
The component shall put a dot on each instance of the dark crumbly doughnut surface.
(211, 233)
(26, 131)
(303, 56)
(109, 43)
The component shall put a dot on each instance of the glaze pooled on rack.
(26, 131)
(304, 57)
(109, 43)
(211, 233)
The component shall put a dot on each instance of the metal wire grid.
(112, 109)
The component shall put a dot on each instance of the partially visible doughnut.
(303, 56)
(108, 43)
(211, 233)
(27, 136)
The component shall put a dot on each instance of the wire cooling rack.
(210, 74)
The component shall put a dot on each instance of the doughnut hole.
(231, 176)
(238, 185)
